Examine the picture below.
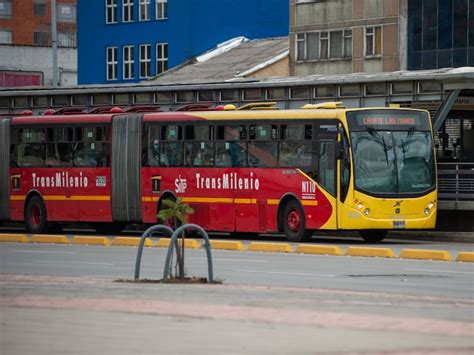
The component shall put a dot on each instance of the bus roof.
(61, 119)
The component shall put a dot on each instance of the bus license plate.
(399, 224)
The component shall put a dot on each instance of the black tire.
(36, 220)
(109, 228)
(373, 235)
(294, 222)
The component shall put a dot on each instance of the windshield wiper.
(379, 139)
(406, 144)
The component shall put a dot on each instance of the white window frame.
(163, 6)
(161, 58)
(144, 9)
(7, 37)
(112, 6)
(373, 38)
(302, 39)
(111, 61)
(146, 61)
(127, 8)
(128, 61)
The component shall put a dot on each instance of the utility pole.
(54, 42)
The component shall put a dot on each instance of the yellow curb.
(271, 247)
(226, 245)
(45, 238)
(366, 251)
(15, 238)
(465, 256)
(90, 240)
(318, 249)
(130, 242)
(442, 255)
(188, 243)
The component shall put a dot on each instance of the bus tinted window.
(171, 133)
(200, 133)
(296, 154)
(231, 154)
(171, 154)
(263, 132)
(296, 132)
(232, 133)
(29, 154)
(262, 154)
(199, 154)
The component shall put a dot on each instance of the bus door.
(327, 170)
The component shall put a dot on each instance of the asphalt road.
(63, 299)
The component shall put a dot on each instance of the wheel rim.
(294, 221)
(35, 216)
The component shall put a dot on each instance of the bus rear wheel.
(35, 216)
(373, 235)
(294, 223)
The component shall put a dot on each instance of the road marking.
(244, 260)
(42, 251)
(71, 262)
(445, 271)
(287, 273)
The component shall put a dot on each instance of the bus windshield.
(393, 152)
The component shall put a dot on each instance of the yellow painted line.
(270, 247)
(188, 243)
(208, 199)
(130, 242)
(227, 245)
(15, 238)
(90, 240)
(245, 201)
(150, 199)
(273, 202)
(75, 198)
(318, 249)
(465, 256)
(425, 254)
(17, 198)
(46, 238)
(309, 203)
(366, 251)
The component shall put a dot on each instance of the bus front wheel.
(294, 223)
(373, 235)
(35, 216)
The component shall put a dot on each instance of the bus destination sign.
(388, 119)
(383, 121)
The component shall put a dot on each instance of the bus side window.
(345, 166)
(153, 146)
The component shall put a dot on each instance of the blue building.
(131, 40)
(440, 34)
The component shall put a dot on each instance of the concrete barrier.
(270, 247)
(373, 252)
(46, 238)
(318, 249)
(14, 238)
(441, 255)
(90, 240)
(188, 243)
(226, 245)
(465, 256)
(129, 242)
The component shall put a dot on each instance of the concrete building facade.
(25, 42)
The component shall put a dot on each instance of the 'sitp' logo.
(180, 184)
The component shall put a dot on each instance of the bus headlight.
(427, 211)
(360, 205)
(430, 205)
(366, 211)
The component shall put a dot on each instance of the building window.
(41, 38)
(66, 13)
(161, 9)
(144, 10)
(6, 37)
(5, 8)
(145, 60)
(67, 39)
(111, 11)
(39, 8)
(127, 11)
(112, 63)
(128, 63)
(373, 41)
(324, 45)
(161, 57)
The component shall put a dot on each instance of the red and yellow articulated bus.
(322, 167)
